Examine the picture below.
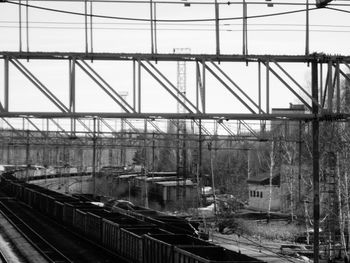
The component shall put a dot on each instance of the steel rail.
(41, 245)
(3, 257)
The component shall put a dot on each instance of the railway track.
(48, 251)
(3, 258)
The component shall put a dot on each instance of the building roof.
(174, 183)
(264, 179)
(292, 108)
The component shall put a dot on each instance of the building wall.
(68, 185)
(259, 197)
(80, 157)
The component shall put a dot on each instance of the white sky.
(51, 31)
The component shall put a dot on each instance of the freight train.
(140, 235)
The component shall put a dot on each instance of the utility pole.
(94, 138)
(181, 156)
(27, 155)
(315, 160)
(212, 179)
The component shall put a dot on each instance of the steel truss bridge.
(322, 104)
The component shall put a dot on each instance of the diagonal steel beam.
(39, 85)
(107, 124)
(223, 125)
(12, 128)
(205, 130)
(155, 126)
(2, 107)
(59, 126)
(288, 86)
(230, 90)
(106, 90)
(36, 127)
(64, 131)
(237, 87)
(132, 126)
(346, 76)
(295, 82)
(245, 124)
(120, 98)
(172, 86)
(200, 92)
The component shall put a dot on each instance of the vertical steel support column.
(315, 158)
(203, 86)
(197, 85)
(245, 30)
(259, 86)
(151, 19)
(134, 83)
(91, 31)
(200, 149)
(268, 87)
(153, 152)
(139, 86)
(155, 27)
(337, 75)
(307, 30)
(299, 162)
(145, 162)
(330, 87)
(27, 154)
(145, 143)
(199, 168)
(6, 84)
(86, 27)
(27, 25)
(72, 94)
(217, 29)
(20, 24)
(94, 157)
(262, 123)
(321, 82)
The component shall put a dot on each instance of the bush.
(272, 231)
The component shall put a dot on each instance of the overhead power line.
(63, 23)
(161, 20)
(183, 29)
(226, 3)
(337, 9)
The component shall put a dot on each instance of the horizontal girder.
(190, 116)
(318, 57)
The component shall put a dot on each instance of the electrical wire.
(227, 3)
(182, 29)
(182, 24)
(163, 20)
(339, 10)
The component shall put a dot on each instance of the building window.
(253, 193)
(261, 194)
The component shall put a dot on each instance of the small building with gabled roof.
(259, 192)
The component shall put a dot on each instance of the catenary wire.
(301, 3)
(169, 24)
(183, 29)
(339, 10)
(163, 20)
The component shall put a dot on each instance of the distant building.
(287, 128)
(285, 183)
(259, 192)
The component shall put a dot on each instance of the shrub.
(272, 231)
